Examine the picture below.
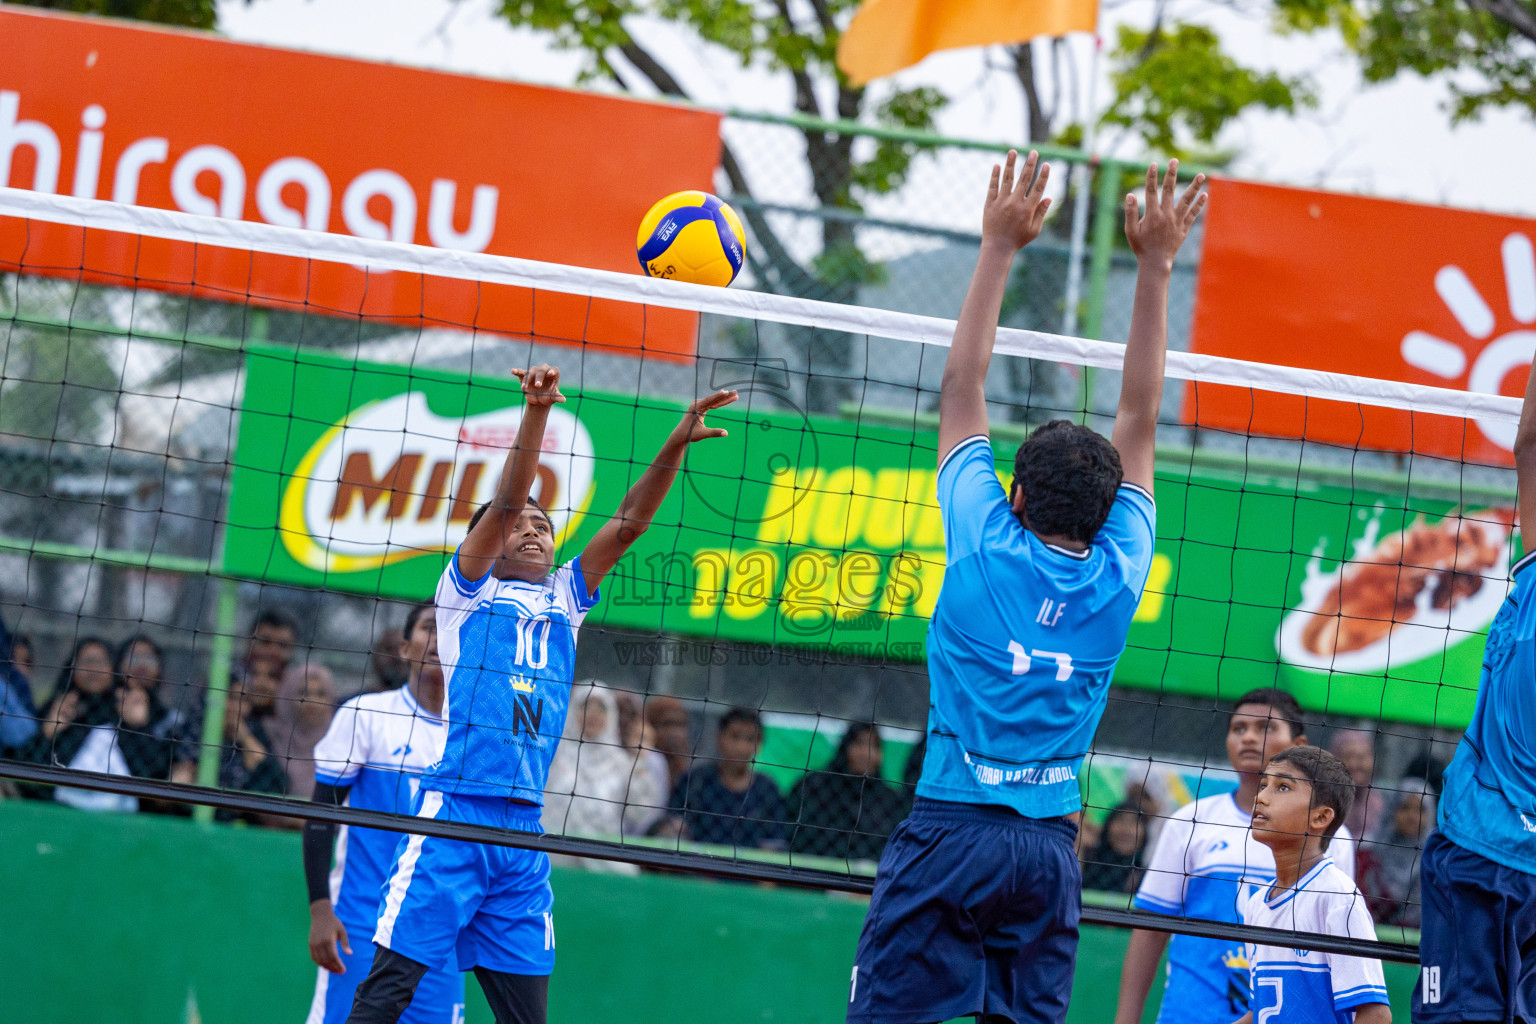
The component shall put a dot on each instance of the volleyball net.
(237, 455)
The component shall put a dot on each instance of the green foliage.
(1495, 40)
(800, 42)
(187, 13)
(1177, 89)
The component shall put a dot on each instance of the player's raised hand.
(325, 932)
(1016, 208)
(1156, 234)
(541, 384)
(692, 428)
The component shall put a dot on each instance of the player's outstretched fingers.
(1151, 188)
(1007, 184)
(1170, 182)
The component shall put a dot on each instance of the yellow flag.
(888, 35)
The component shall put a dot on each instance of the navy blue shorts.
(1477, 951)
(975, 911)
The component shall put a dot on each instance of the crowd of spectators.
(626, 766)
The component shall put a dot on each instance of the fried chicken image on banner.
(1377, 593)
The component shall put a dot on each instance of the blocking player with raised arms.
(978, 893)
(373, 756)
(507, 622)
(1477, 946)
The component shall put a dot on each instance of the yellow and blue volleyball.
(694, 237)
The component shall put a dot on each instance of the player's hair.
(1282, 704)
(275, 617)
(747, 715)
(1332, 785)
(414, 615)
(483, 509)
(1069, 475)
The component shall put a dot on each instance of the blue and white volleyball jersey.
(1023, 642)
(1205, 864)
(508, 650)
(379, 744)
(1298, 986)
(1489, 803)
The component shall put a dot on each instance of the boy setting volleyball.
(1477, 952)
(978, 893)
(507, 623)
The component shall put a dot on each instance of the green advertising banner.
(807, 532)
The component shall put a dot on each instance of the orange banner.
(191, 122)
(1413, 293)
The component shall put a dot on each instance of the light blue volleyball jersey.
(1489, 803)
(508, 650)
(1023, 642)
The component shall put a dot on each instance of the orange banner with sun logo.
(1414, 293)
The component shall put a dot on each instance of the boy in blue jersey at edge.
(373, 756)
(1303, 799)
(1205, 862)
(507, 621)
(978, 894)
(1477, 946)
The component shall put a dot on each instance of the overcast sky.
(1393, 141)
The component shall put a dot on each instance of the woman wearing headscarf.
(589, 776)
(80, 728)
(1389, 863)
(846, 810)
(150, 733)
(306, 703)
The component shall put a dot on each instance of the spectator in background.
(846, 810)
(1113, 863)
(258, 690)
(140, 665)
(1428, 767)
(306, 703)
(1389, 863)
(726, 801)
(645, 798)
(247, 763)
(1357, 749)
(913, 771)
(388, 667)
(588, 776)
(24, 655)
(274, 638)
(18, 714)
(670, 729)
(80, 729)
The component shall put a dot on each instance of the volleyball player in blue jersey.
(978, 894)
(507, 622)
(1477, 948)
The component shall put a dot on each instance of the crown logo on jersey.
(1235, 960)
(520, 682)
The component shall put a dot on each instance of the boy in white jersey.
(1205, 862)
(506, 629)
(1303, 798)
(372, 757)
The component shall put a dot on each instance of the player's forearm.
(1142, 954)
(644, 499)
(522, 466)
(1373, 1013)
(1146, 349)
(976, 331)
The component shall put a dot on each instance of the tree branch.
(1511, 13)
(1037, 125)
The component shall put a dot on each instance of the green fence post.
(219, 663)
(1107, 208)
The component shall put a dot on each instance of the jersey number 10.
(533, 642)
